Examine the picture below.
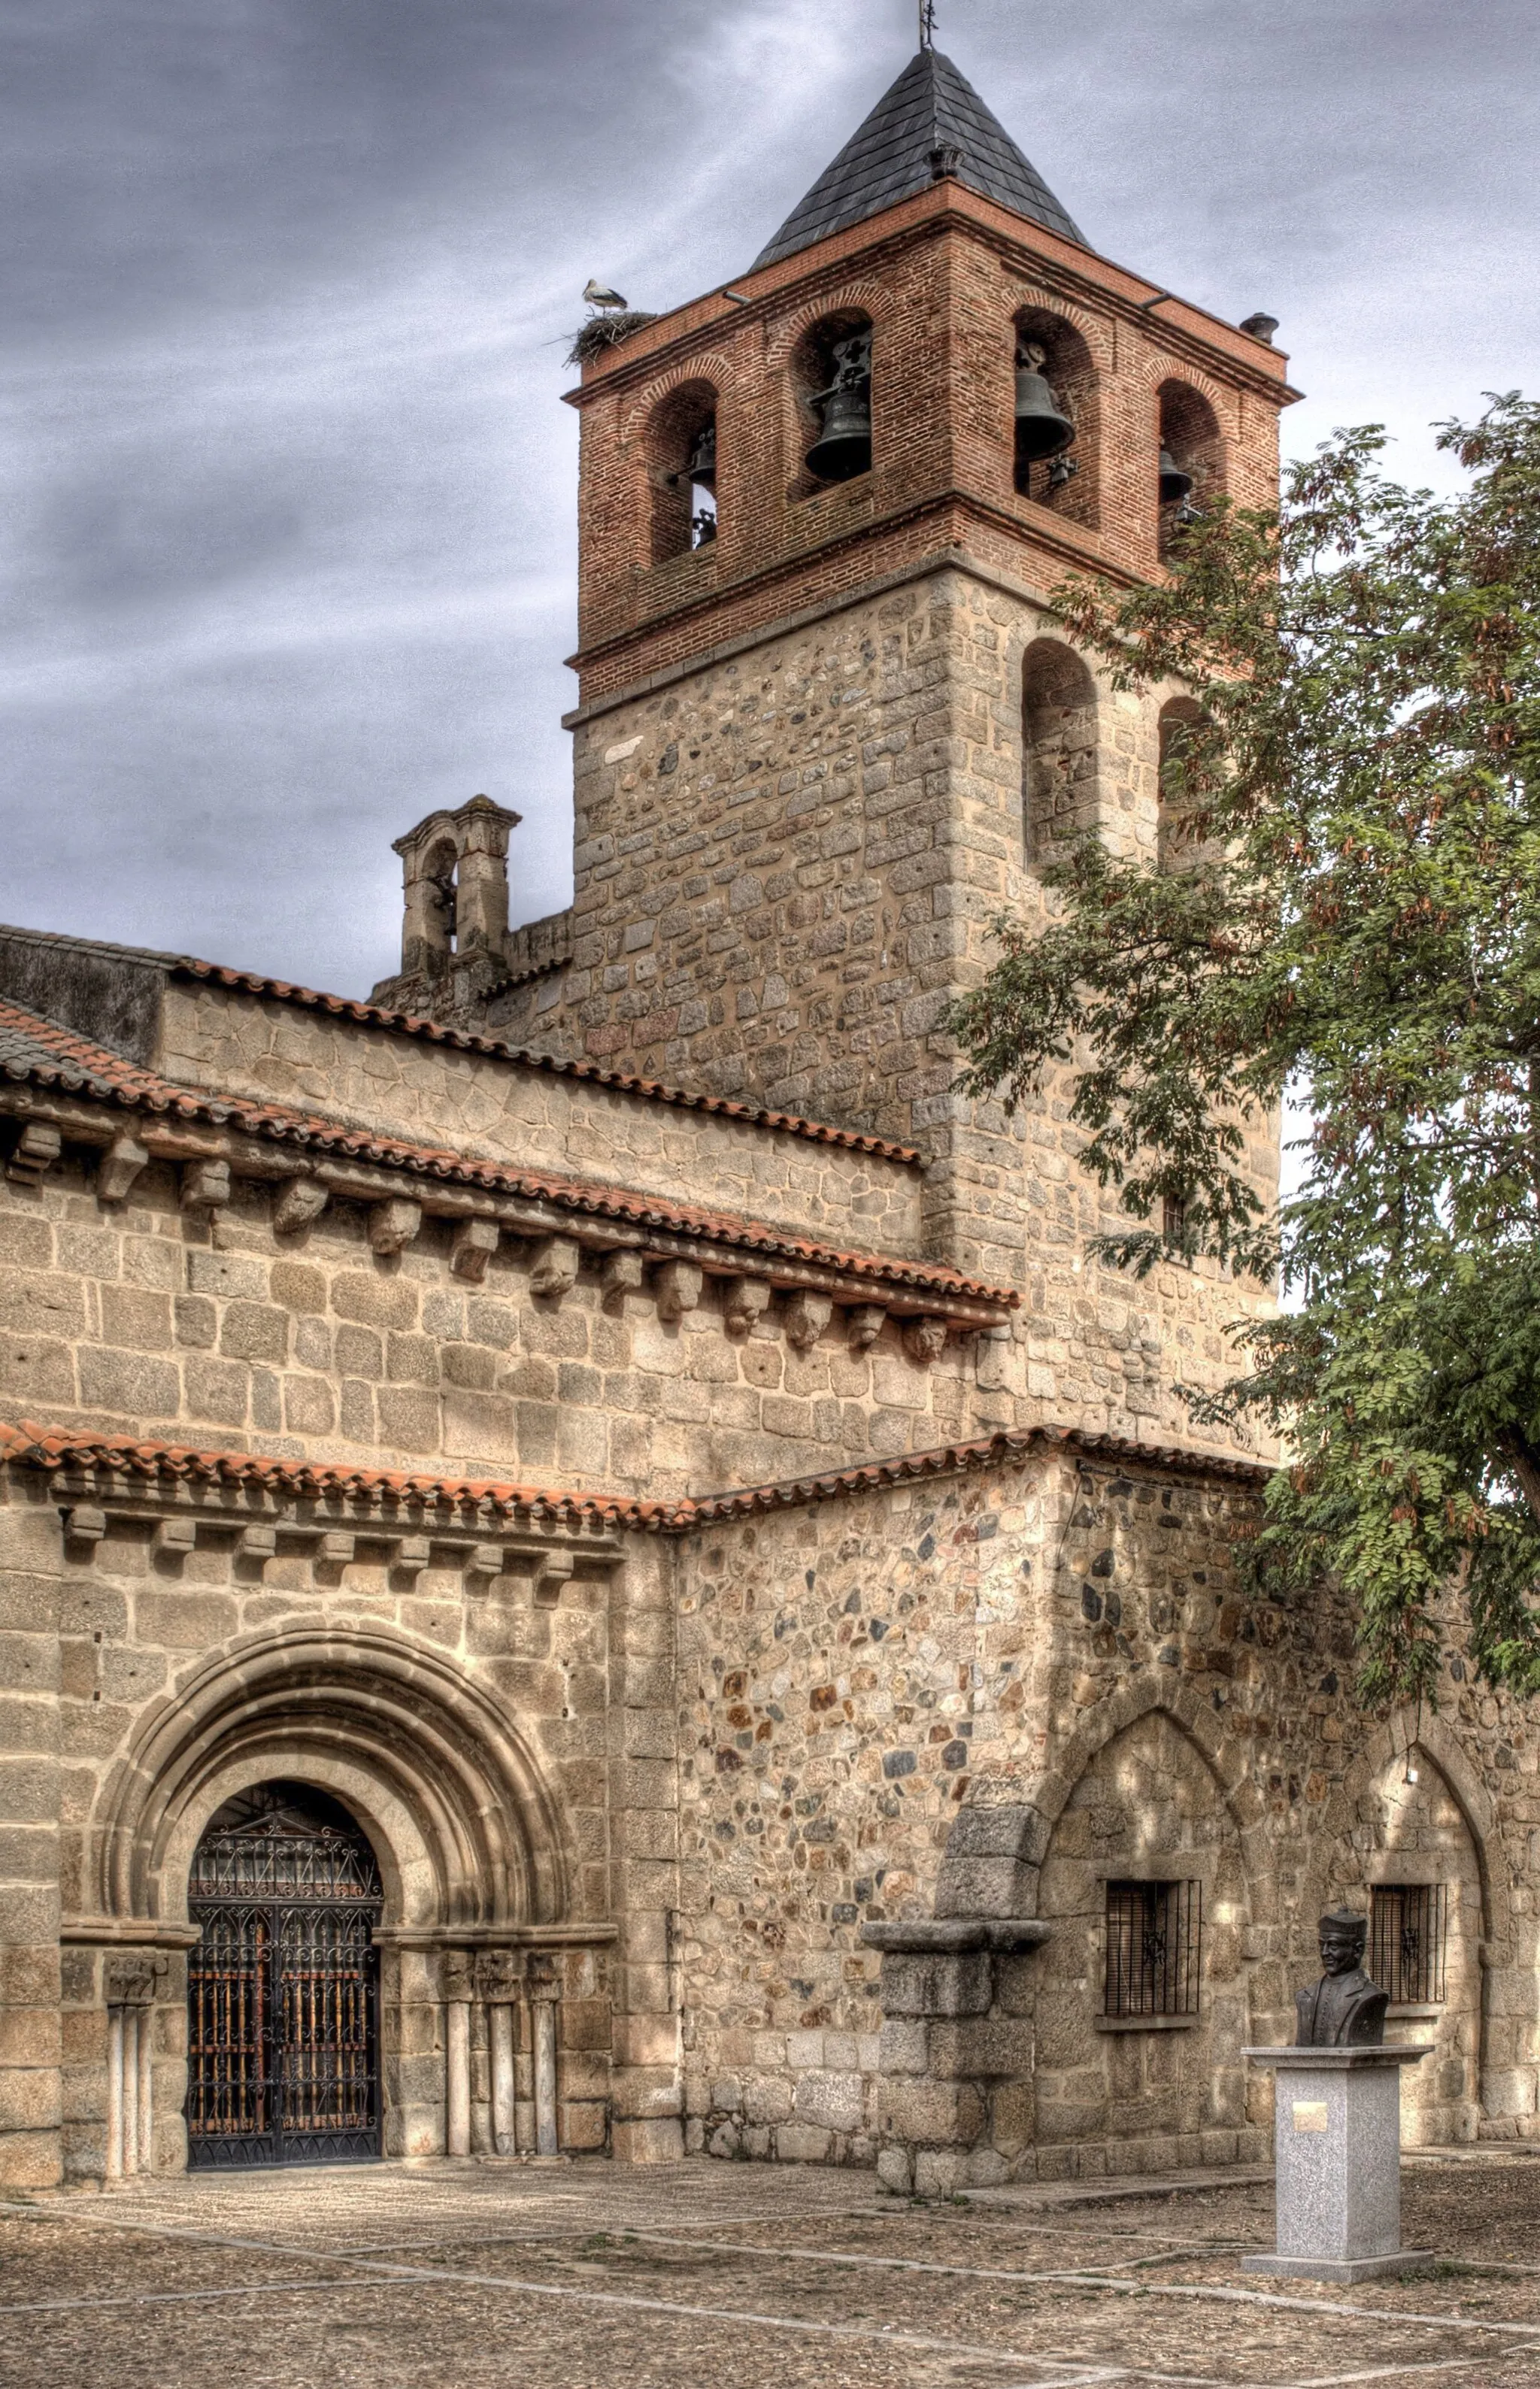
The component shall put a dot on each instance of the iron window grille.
(1154, 1939)
(1409, 1941)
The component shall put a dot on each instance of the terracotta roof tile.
(56, 1448)
(40, 1052)
(410, 1024)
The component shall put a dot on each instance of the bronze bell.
(842, 447)
(1042, 430)
(1174, 483)
(702, 466)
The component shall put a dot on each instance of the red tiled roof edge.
(53, 1448)
(411, 1023)
(97, 1068)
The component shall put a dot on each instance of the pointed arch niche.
(1147, 1809)
(1423, 1872)
(1059, 748)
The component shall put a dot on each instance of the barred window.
(1408, 1941)
(1154, 1932)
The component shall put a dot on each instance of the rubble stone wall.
(987, 1699)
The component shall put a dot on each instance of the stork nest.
(602, 332)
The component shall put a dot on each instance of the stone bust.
(1345, 2010)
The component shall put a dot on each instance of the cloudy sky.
(287, 486)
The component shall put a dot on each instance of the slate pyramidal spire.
(931, 107)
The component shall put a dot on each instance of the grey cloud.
(288, 486)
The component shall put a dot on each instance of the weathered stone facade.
(611, 1417)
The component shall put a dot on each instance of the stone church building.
(586, 1561)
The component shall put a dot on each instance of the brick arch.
(717, 370)
(870, 298)
(993, 1854)
(1094, 330)
(466, 1829)
(1156, 365)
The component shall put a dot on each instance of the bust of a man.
(1345, 2010)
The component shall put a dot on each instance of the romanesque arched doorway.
(283, 1989)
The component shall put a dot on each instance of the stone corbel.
(38, 1148)
(924, 1340)
(393, 1225)
(553, 1575)
(118, 1171)
(749, 1298)
(474, 1244)
(555, 1269)
(678, 1288)
(205, 1185)
(302, 1200)
(805, 1318)
(623, 1273)
(864, 1324)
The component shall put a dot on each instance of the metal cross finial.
(927, 24)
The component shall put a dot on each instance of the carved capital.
(499, 1976)
(457, 1975)
(135, 1978)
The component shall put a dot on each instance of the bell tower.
(826, 731)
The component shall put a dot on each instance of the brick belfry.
(599, 1473)
(817, 752)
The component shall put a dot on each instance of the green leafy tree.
(1349, 914)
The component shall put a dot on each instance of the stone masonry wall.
(138, 1318)
(787, 864)
(111, 1639)
(30, 1761)
(1055, 1660)
(502, 1109)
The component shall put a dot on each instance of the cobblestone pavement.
(707, 2276)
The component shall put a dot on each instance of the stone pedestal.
(1339, 2163)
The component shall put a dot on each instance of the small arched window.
(831, 377)
(440, 904)
(1056, 385)
(1174, 846)
(681, 449)
(1192, 469)
(1058, 747)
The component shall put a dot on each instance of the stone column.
(545, 1992)
(114, 2093)
(458, 1981)
(133, 1983)
(500, 1983)
(129, 2104)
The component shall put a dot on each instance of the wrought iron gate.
(282, 1990)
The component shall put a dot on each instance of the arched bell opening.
(680, 445)
(1059, 748)
(283, 1987)
(441, 906)
(1190, 470)
(831, 380)
(1056, 436)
